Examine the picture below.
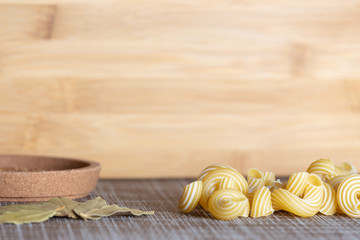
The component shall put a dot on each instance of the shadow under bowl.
(40, 178)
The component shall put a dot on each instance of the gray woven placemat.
(167, 223)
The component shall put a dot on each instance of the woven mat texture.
(167, 223)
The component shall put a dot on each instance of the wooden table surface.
(270, 84)
(167, 223)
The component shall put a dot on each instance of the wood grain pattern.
(164, 88)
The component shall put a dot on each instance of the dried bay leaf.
(137, 212)
(87, 210)
(26, 216)
(106, 211)
(84, 207)
(68, 204)
(29, 206)
(62, 207)
(26, 213)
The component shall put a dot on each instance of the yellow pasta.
(250, 197)
(213, 167)
(190, 197)
(275, 205)
(212, 180)
(277, 184)
(324, 168)
(226, 194)
(348, 194)
(349, 167)
(258, 179)
(329, 204)
(335, 181)
(339, 211)
(269, 178)
(307, 206)
(227, 183)
(297, 183)
(261, 203)
(227, 204)
(255, 179)
(345, 169)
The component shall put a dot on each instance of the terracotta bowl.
(39, 178)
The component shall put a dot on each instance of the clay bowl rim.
(90, 164)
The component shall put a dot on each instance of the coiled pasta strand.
(227, 183)
(329, 204)
(255, 179)
(324, 168)
(261, 204)
(277, 184)
(227, 204)
(348, 196)
(213, 167)
(307, 206)
(211, 183)
(297, 183)
(250, 197)
(269, 178)
(345, 169)
(335, 181)
(190, 197)
(258, 179)
(324, 188)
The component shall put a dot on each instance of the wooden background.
(159, 88)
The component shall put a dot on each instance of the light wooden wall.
(159, 88)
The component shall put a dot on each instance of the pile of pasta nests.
(226, 194)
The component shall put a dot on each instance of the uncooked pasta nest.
(226, 194)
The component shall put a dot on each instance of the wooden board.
(164, 88)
